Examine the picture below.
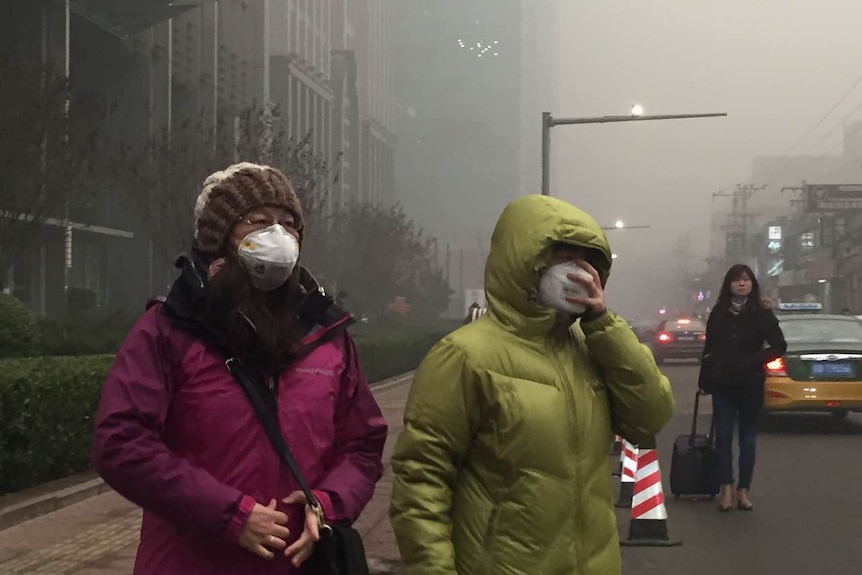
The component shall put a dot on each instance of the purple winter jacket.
(178, 436)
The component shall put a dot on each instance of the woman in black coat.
(742, 336)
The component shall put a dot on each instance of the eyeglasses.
(264, 221)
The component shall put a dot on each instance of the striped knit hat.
(229, 194)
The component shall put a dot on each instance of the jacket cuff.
(239, 518)
(601, 323)
(325, 501)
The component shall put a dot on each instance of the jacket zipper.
(573, 430)
(273, 389)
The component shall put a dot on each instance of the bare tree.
(377, 253)
(47, 144)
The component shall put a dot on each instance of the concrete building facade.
(165, 65)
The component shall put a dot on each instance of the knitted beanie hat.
(229, 194)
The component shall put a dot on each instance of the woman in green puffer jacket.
(502, 467)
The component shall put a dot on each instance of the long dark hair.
(260, 328)
(734, 273)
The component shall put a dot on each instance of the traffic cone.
(617, 449)
(618, 471)
(648, 526)
(627, 478)
(617, 445)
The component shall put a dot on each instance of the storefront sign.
(833, 198)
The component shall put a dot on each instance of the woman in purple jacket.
(175, 432)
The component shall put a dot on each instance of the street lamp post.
(549, 122)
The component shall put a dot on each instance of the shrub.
(47, 406)
(88, 333)
(385, 357)
(19, 336)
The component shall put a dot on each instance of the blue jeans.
(730, 405)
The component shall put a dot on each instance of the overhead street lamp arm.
(612, 119)
(548, 122)
(626, 228)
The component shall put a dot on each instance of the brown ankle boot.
(743, 503)
(726, 501)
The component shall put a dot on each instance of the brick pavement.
(99, 536)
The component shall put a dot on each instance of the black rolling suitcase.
(693, 468)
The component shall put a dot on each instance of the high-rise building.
(473, 79)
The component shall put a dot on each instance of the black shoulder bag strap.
(340, 550)
(266, 408)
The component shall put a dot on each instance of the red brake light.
(776, 367)
(664, 337)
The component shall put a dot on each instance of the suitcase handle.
(694, 420)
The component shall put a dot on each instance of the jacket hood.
(520, 248)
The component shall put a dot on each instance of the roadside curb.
(392, 382)
(47, 502)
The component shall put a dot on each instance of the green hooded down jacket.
(502, 467)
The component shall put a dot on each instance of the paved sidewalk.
(99, 536)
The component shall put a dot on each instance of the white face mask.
(269, 256)
(555, 287)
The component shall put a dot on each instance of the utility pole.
(448, 266)
(682, 255)
(461, 270)
(737, 221)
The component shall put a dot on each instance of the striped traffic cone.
(618, 470)
(648, 526)
(627, 479)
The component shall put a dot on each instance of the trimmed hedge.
(385, 357)
(19, 336)
(47, 405)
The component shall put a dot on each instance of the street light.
(549, 122)
(614, 256)
(619, 225)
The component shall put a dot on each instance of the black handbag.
(340, 550)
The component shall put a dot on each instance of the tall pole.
(448, 267)
(546, 153)
(67, 236)
(215, 76)
(461, 271)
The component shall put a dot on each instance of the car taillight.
(664, 337)
(776, 367)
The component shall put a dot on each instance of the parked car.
(644, 329)
(682, 338)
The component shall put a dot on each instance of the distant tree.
(47, 144)
(377, 253)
